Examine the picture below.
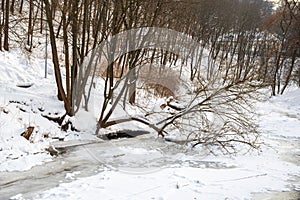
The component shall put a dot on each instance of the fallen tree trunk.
(140, 119)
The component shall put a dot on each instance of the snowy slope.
(123, 165)
(17, 153)
(21, 108)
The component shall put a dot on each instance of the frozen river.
(147, 158)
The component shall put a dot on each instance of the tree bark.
(6, 26)
(74, 67)
(29, 30)
(61, 93)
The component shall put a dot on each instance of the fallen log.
(26, 134)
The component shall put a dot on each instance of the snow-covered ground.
(21, 108)
(145, 167)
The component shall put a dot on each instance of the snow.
(285, 113)
(23, 107)
(146, 167)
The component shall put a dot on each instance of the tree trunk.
(30, 31)
(74, 67)
(12, 7)
(6, 27)
(21, 6)
(2, 5)
(61, 94)
(289, 72)
(66, 49)
(42, 17)
(1, 33)
(84, 30)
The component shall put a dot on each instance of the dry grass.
(158, 81)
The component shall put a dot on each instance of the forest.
(149, 99)
(223, 51)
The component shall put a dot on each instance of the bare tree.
(221, 89)
(284, 23)
(6, 26)
(61, 93)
